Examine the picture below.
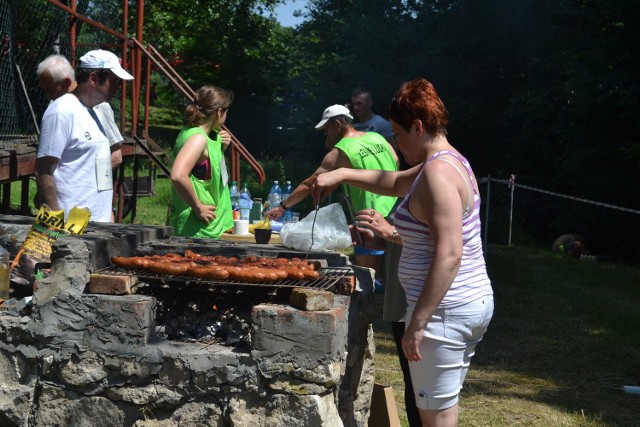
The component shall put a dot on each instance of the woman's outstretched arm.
(376, 181)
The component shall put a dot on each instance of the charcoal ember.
(234, 342)
(205, 322)
(160, 331)
(235, 329)
(213, 329)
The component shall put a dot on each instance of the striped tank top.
(471, 281)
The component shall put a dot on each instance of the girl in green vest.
(201, 205)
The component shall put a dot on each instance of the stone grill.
(85, 359)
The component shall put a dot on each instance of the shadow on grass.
(564, 333)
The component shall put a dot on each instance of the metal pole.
(56, 45)
(125, 65)
(26, 95)
(486, 216)
(137, 69)
(73, 28)
(512, 186)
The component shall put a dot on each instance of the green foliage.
(229, 44)
(165, 116)
(542, 90)
(570, 124)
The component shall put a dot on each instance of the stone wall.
(93, 360)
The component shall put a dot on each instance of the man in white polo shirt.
(73, 165)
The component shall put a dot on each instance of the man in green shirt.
(348, 148)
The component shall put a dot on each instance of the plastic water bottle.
(256, 210)
(275, 195)
(244, 202)
(286, 191)
(233, 192)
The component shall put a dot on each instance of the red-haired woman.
(201, 205)
(442, 267)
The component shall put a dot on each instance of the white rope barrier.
(512, 185)
(578, 199)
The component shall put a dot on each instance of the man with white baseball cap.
(73, 164)
(348, 148)
(333, 111)
(103, 59)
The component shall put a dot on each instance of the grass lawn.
(563, 341)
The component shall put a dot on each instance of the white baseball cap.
(333, 111)
(103, 59)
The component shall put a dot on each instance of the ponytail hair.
(206, 103)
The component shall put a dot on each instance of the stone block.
(284, 410)
(285, 338)
(84, 369)
(59, 407)
(192, 414)
(15, 404)
(103, 322)
(111, 284)
(311, 299)
(122, 322)
(187, 365)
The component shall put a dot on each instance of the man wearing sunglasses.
(73, 165)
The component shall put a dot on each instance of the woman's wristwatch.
(394, 234)
(283, 206)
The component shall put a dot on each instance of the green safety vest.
(211, 192)
(370, 151)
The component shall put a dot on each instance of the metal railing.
(237, 152)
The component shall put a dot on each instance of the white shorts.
(450, 339)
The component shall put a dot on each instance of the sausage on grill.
(131, 263)
(208, 272)
(250, 269)
(171, 268)
(246, 274)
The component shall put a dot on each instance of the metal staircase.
(138, 58)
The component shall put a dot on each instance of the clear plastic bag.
(330, 232)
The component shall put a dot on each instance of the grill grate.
(335, 279)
